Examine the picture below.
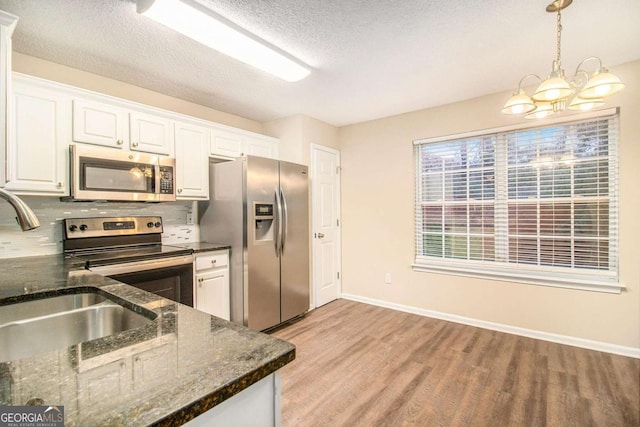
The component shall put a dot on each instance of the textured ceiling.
(370, 58)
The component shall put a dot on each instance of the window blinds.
(538, 201)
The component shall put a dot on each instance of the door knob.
(320, 235)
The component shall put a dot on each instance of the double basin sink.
(29, 328)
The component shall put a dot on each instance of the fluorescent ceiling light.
(203, 25)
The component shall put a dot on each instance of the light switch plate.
(190, 218)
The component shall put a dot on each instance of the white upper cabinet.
(149, 133)
(192, 161)
(260, 146)
(229, 143)
(226, 143)
(101, 124)
(45, 117)
(7, 25)
(112, 126)
(38, 148)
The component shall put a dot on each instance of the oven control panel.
(77, 228)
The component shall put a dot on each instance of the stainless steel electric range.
(130, 250)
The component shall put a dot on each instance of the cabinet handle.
(179, 190)
(213, 261)
(135, 144)
(119, 142)
(59, 185)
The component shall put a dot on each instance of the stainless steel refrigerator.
(261, 208)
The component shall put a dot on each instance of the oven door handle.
(134, 267)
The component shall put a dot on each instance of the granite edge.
(211, 400)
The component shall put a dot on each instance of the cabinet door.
(192, 162)
(155, 366)
(259, 147)
(112, 379)
(38, 145)
(212, 293)
(225, 143)
(101, 124)
(150, 133)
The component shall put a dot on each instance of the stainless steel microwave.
(110, 174)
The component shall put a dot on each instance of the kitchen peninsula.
(168, 372)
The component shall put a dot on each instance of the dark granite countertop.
(167, 372)
(204, 246)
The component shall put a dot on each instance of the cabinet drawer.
(213, 260)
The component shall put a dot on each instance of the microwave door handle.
(156, 178)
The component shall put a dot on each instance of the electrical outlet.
(190, 218)
(387, 278)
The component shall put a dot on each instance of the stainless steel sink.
(42, 325)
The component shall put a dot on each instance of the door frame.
(314, 199)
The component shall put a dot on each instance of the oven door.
(170, 278)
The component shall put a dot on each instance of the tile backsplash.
(50, 211)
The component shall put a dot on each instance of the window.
(536, 205)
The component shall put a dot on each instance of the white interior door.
(325, 190)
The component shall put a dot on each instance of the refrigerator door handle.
(285, 221)
(278, 223)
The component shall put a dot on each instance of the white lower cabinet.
(140, 367)
(38, 147)
(212, 284)
(112, 379)
(255, 406)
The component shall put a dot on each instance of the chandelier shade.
(519, 103)
(585, 104)
(583, 91)
(603, 83)
(543, 109)
(553, 89)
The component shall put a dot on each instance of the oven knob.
(73, 227)
(158, 224)
(83, 227)
(149, 225)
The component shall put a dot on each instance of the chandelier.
(553, 94)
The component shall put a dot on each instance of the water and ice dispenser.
(263, 222)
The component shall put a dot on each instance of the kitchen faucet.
(26, 218)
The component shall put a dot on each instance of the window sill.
(604, 284)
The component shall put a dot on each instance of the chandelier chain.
(558, 36)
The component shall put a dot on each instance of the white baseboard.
(531, 333)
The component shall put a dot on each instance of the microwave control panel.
(166, 180)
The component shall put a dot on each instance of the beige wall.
(297, 133)
(72, 76)
(289, 131)
(378, 230)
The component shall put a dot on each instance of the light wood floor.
(361, 365)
